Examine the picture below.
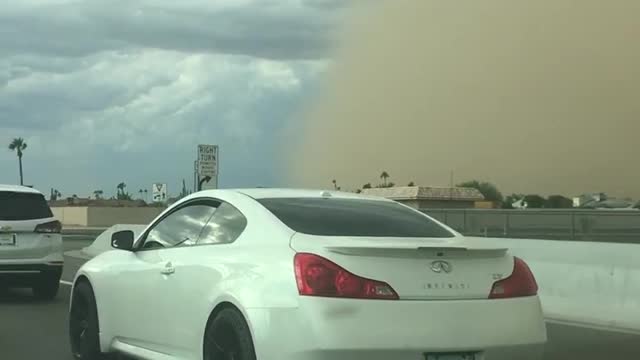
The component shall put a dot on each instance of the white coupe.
(276, 274)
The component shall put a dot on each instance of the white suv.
(31, 253)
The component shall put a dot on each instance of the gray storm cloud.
(536, 96)
(277, 30)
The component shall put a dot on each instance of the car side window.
(224, 227)
(180, 228)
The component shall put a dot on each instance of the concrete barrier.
(103, 242)
(75, 216)
(589, 284)
(104, 216)
(107, 216)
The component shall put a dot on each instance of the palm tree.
(384, 176)
(335, 184)
(98, 194)
(145, 194)
(55, 194)
(121, 187)
(140, 192)
(19, 146)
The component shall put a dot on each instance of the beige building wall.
(71, 215)
(485, 205)
(438, 204)
(107, 216)
(104, 216)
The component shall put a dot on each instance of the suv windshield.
(350, 217)
(23, 206)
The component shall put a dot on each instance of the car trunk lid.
(20, 214)
(416, 268)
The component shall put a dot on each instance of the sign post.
(207, 165)
(195, 176)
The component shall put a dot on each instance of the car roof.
(18, 188)
(271, 193)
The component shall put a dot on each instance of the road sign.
(207, 165)
(207, 160)
(159, 192)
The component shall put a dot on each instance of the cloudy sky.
(105, 91)
(537, 97)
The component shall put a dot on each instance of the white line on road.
(63, 282)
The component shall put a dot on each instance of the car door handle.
(168, 269)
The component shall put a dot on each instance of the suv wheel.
(46, 286)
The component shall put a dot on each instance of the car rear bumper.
(520, 352)
(30, 246)
(16, 275)
(53, 258)
(322, 328)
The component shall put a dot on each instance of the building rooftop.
(426, 193)
(261, 193)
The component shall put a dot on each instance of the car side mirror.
(123, 240)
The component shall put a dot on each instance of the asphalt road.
(32, 330)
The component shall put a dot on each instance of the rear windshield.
(352, 217)
(23, 206)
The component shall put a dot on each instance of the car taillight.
(50, 227)
(520, 283)
(317, 276)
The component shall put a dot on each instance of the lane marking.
(64, 282)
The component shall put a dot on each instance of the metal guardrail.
(577, 225)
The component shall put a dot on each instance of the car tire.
(84, 329)
(46, 287)
(228, 337)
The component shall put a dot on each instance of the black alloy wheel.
(228, 337)
(83, 324)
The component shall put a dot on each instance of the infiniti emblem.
(441, 266)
